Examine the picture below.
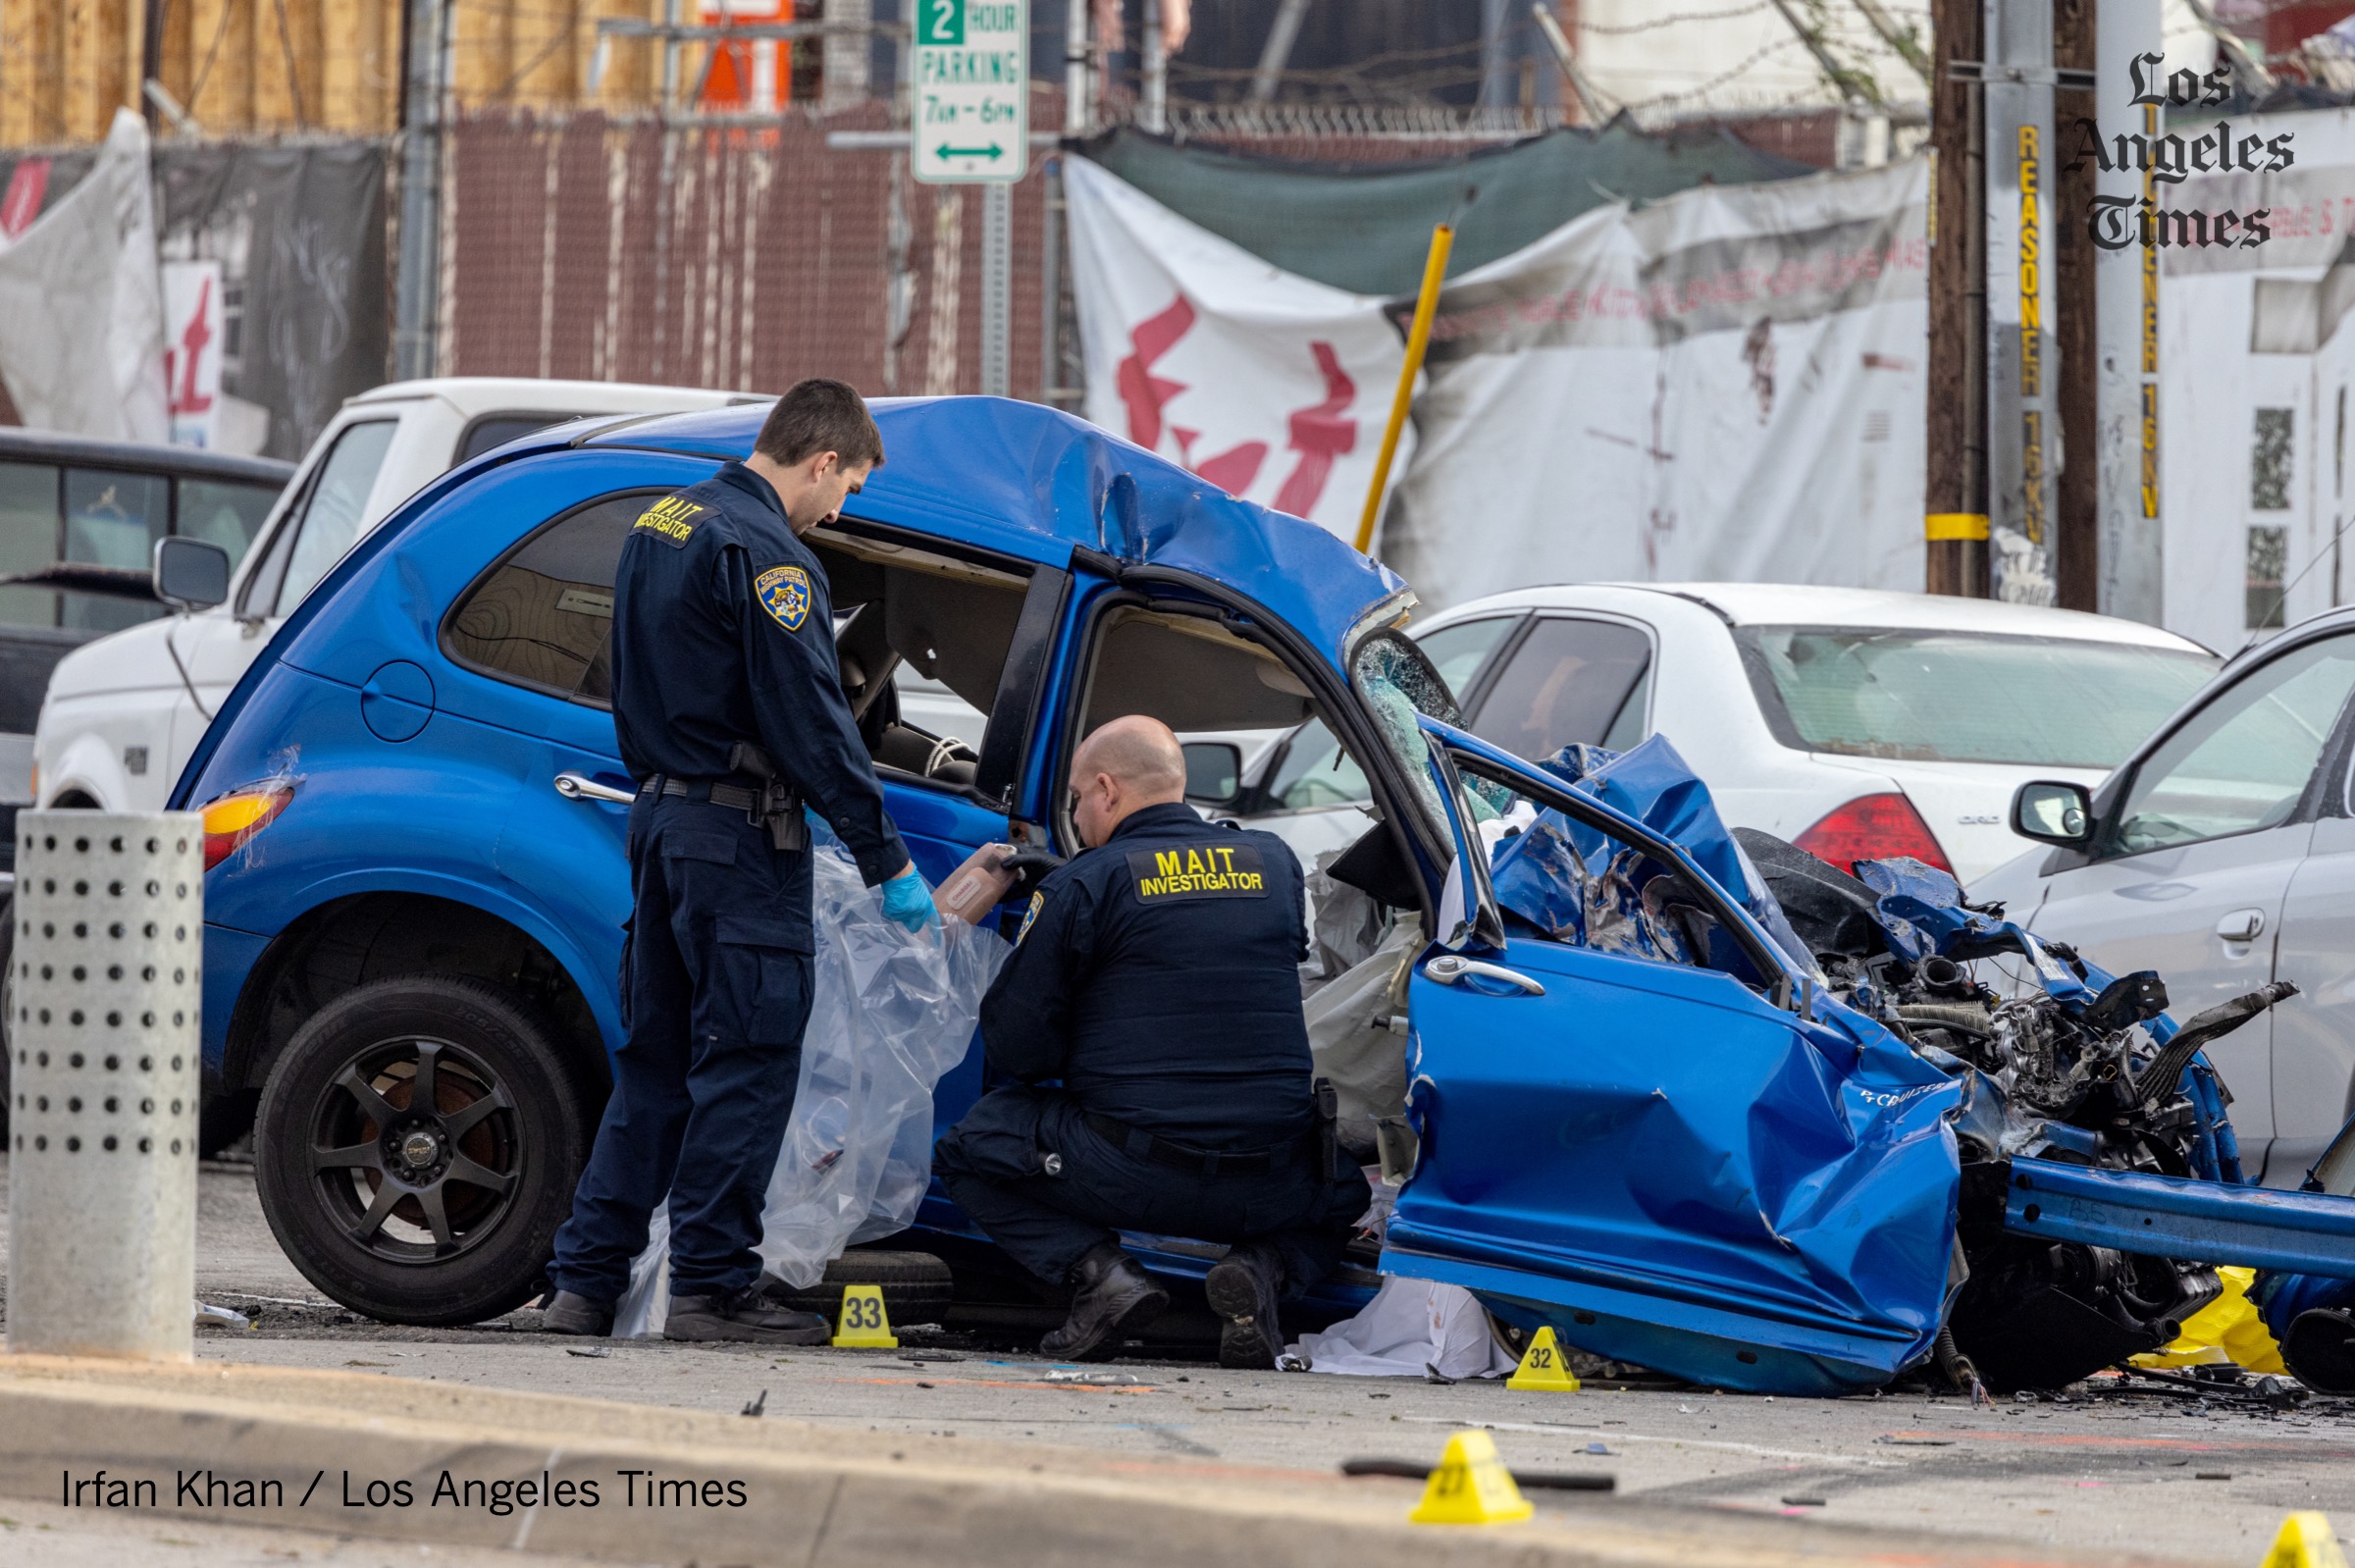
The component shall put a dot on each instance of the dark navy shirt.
(723, 631)
(1158, 978)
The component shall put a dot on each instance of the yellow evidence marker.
(2306, 1540)
(863, 1323)
(1544, 1367)
(1471, 1486)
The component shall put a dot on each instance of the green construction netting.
(1366, 228)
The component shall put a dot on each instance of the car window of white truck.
(332, 511)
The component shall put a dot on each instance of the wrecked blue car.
(2028, 1183)
(1714, 1109)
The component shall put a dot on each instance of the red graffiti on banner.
(1320, 433)
(28, 185)
(180, 365)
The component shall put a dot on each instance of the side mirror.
(190, 573)
(1214, 772)
(2052, 812)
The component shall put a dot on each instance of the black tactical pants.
(993, 1165)
(715, 991)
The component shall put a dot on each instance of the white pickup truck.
(123, 712)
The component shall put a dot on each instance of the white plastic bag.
(890, 1013)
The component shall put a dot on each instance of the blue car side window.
(543, 614)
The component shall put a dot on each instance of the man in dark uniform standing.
(729, 708)
(1157, 977)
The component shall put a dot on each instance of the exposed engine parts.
(2061, 1064)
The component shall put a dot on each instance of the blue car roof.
(1034, 481)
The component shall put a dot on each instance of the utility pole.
(1153, 95)
(416, 305)
(2076, 518)
(1955, 492)
(2015, 93)
(1277, 51)
(2131, 565)
(1077, 116)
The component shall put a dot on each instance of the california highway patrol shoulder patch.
(785, 594)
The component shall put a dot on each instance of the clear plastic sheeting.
(891, 1012)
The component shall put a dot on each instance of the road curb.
(302, 1448)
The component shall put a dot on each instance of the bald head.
(1130, 763)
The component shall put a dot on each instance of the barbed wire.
(1715, 82)
(1652, 23)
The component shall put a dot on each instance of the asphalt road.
(2205, 1482)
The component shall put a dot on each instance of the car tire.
(917, 1286)
(478, 1185)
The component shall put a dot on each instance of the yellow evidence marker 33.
(864, 1324)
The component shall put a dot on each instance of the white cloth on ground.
(1410, 1326)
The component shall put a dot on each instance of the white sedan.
(1855, 723)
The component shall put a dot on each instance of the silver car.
(2222, 854)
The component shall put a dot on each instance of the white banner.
(81, 312)
(1273, 387)
(1727, 385)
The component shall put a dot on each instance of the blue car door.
(1670, 1164)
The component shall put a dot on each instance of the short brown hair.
(819, 415)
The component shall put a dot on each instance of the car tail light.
(1874, 827)
(236, 818)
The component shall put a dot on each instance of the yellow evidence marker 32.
(1542, 1367)
(1471, 1486)
(864, 1324)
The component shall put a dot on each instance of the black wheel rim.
(415, 1150)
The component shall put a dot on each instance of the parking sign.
(972, 92)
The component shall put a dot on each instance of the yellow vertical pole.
(1418, 338)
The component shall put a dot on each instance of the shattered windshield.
(1964, 696)
(1397, 682)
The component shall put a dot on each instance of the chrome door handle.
(581, 787)
(1448, 968)
(2241, 926)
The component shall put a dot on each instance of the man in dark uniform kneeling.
(1157, 978)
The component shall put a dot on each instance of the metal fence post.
(102, 1148)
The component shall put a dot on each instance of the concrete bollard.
(102, 1125)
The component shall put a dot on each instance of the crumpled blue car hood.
(1753, 1201)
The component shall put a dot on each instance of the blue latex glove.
(908, 900)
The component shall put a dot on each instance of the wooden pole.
(1418, 338)
(1955, 496)
(2078, 520)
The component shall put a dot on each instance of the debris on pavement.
(212, 1317)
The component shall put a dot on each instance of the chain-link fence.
(747, 257)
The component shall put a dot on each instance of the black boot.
(1244, 1288)
(1111, 1293)
(565, 1313)
(2320, 1349)
(744, 1316)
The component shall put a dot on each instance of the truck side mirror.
(1214, 772)
(190, 573)
(2052, 812)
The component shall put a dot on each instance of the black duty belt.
(763, 803)
(1142, 1145)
